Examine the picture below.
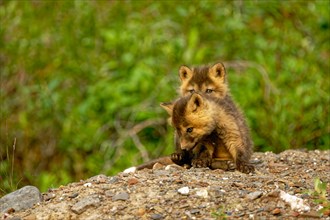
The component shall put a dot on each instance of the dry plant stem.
(12, 162)
(139, 127)
(133, 133)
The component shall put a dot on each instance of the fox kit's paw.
(201, 162)
(178, 158)
(245, 167)
(227, 165)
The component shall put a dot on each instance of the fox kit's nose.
(186, 145)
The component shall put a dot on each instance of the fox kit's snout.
(187, 144)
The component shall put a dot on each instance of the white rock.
(297, 204)
(88, 184)
(202, 193)
(130, 170)
(184, 190)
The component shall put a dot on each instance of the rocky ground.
(289, 185)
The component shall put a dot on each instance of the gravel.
(281, 188)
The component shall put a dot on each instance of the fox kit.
(202, 120)
(206, 80)
(201, 155)
(210, 81)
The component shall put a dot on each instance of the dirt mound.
(286, 185)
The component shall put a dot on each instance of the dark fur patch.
(200, 77)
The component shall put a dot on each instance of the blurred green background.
(81, 81)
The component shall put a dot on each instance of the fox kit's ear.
(218, 71)
(185, 73)
(168, 106)
(195, 102)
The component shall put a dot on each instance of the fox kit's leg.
(180, 157)
(221, 158)
(239, 150)
(202, 154)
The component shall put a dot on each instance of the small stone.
(254, 195)
(113, 179)
(194, 211)
(49, 196)
(73, 195)
(132, 181)
(108, 193)
(239, 185)
(174, 167)
(140, 212)
(184, 190)
(98, 179)
(156, 216)
(202, 193)
(88, 184)
(276, 211)
(130, 170)
(21, 199)
(120, 196)
(82, 205)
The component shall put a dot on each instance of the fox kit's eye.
(189, 130)
(209, 91)
(191, 90)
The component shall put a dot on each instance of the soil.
(284, 186)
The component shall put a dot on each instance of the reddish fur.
(207, 115)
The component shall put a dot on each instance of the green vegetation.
(320, 192)
(220, 214)
(81, 81)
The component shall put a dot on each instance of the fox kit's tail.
(166, 160)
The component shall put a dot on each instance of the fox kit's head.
(191, 116)
(209, 80)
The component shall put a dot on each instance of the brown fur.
(202, 154)
(211, 81)
(208, 80)
(196, 117)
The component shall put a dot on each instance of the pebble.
(21, 199)
(174, 167)
(184, 190)
(121, 196)
(202, 193)
(88, 184)
(84, 204)
(140, 212)
(276, 211)
(254, 195)
(49, 196)
(156, 216)
(132, 181)
(130, 170)
(73, 195)
(101, 178)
